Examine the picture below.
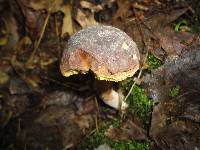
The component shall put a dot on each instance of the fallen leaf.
(90, 6)
(154, 33)
(174, 42)
(4, 77)
(128, 130)
(178, 135)
(176, 116)
(18, 86)
(67, 26)
(85, 20)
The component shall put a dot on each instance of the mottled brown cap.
(109, 52)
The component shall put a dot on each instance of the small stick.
(36, 45)
(138, 77)
(97, 115)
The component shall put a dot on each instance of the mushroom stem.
(110, 93)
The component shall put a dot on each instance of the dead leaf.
(46, 60)
(85, 20)
(10, 35)
(67, 26)
(90, 6)
(178, 135)
(60, 123)
(160, 20)
(3, 37)
(180, 108)
(18, 86)
(83, 121)
(4, 77)
(174, 42)
(59, 98)
(35, 18)
(51, 5)
(154, 33)
(122, 12)
(128, 130)
(140, 6)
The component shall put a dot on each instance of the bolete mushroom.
(105, 50)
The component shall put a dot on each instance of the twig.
(138, 77)
(36, 45)
(68, 146)
(97, 115)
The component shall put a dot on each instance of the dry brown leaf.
(85, 20)
(3, 37)
(140, 6)
(174, 42)
(123, 9)
(83, 121)
(4, 77)
(174, 88)
(11, 28)
(129, 130)
(46, 59)
(92, 7)
(67, 26)
(154, 33)
(52, 5)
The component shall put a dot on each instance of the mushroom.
(105, 50)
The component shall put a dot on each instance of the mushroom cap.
(105, 50)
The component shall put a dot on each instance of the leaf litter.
(40, 109)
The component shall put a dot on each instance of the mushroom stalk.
(111, 94)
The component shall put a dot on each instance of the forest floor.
(42, 109)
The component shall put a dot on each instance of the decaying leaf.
(85, 20)
(60, 98)
(122, 12)
(35, 19)
(3, 37)
(52, 125)
(90, 6)
(180, 107)
(18, 86)
(174, 42)
(154, 34)
(67, 26)
(160, 20)
(9, 35)
(4, 77)
(178, 135)
(129, 130)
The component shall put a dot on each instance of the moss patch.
(153, 62)
(98, 138)
(174, 91)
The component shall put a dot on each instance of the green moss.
(174, 91)
(153, 62)
(98, 138)
(140, 105)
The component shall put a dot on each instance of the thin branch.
(36, 45)
(138, 77)
(97, 115)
